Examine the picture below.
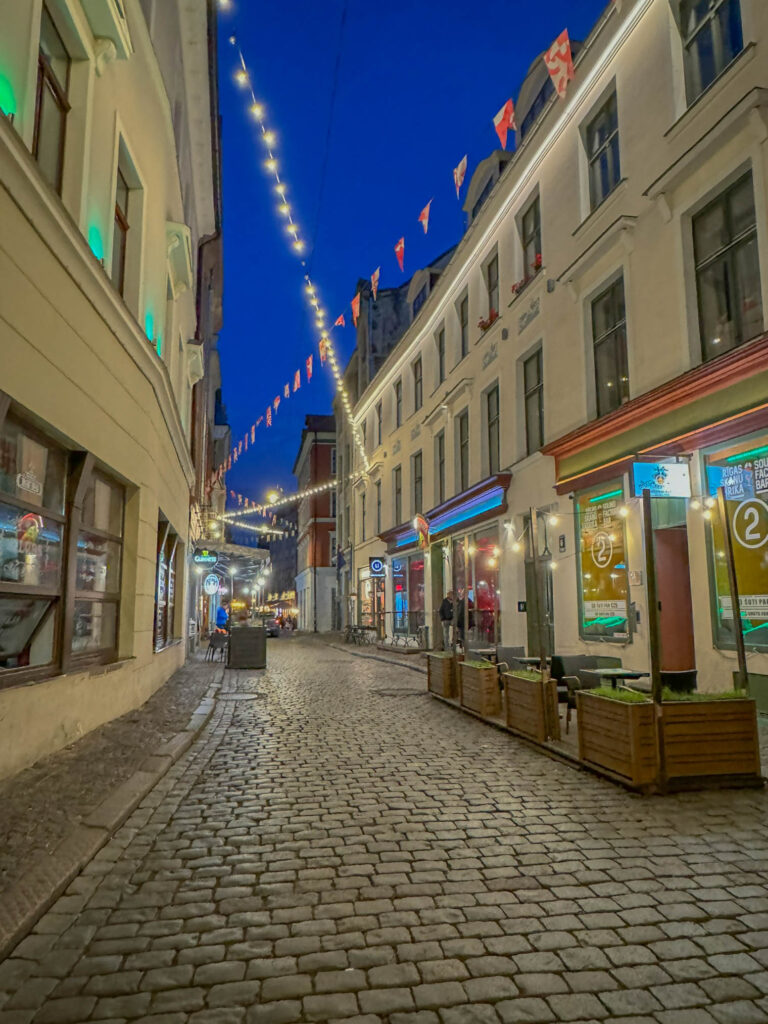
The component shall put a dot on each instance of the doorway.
(674, 591)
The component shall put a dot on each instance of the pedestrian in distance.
(446, 618)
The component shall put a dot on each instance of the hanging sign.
(203, 556)
(376, 568)
(662, 479)
(211, 584)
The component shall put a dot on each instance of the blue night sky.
(419, 82)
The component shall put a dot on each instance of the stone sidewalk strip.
(335, 846)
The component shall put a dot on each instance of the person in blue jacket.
(222, 617)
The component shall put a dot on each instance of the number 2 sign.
(750, 523)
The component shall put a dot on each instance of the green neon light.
(160, 345)
(7, 98)
(95, 242)
(149, 326)
(608, 494)
(746, 455)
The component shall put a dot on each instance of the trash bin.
(247, 647)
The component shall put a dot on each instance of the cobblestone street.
(336, 845)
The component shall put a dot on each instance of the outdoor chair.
(217, 642)
(570, 665)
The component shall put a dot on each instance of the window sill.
(715, 87)
(539, 275)
(175, 642)
(485, 331)
(618, 190)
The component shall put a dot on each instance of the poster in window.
(602, 565)
(19, 619)
(742, 471)
(31, 461)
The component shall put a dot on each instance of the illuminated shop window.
(602, 564)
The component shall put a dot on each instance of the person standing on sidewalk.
(446, 618)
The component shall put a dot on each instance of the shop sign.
(662, 479)
(376, 568)
(421, 526)
(602, 565)
(203, 556)
(28, 482)
(211, 584)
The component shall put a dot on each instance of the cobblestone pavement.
(339, 846)
(39, 805)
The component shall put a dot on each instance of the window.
(486, 191)
(533, 400)
(347, 534)
(418, 391)
(531, 237)
(441, 355)
(440, 468)
(362, 516)
(728, 270)
(542, 98)
(492, 280)
(165, 584)
(36, 526)
(398, 404)
(741, 469)
(365, 435)
(492, 420)
(712, 37)
(99, 550)
(332, 544)
(462, 436)
(609, 334)
(420, 299)
(464, 325)
(602, 143)
(602, 564)
(120, 236)
(417, 471)
(397, 494)
(333, 461)
(333, 504)
(378, 423)
(378, 506)
(51, 104)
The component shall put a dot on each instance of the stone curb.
(377, 657)
(25, 902)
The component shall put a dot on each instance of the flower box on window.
(485, 323)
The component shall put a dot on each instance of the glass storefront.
(408, 593)
(602, 564)
(741, 469)
(483, 599)
(370, 600)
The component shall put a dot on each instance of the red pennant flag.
(229, 462)
(232, 494)
(309, 367)
(240, 448)
(234, 453)
(276, 402)
(458, 174)
(400, 252)
(297, 380)
(259, 421)
(239, 499)
(269, 415)
(246, 442)
(340, 321)
(559, 61)
(375, 282)
(424, 217)
(253, 433)
(323, 350)
(503, 121)
(287, 391)
(355, 304)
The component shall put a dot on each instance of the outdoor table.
(615, 674)
(485, 652)
(531, 661)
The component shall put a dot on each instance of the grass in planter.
(525, 673)
(624, 696)
(440, 654)
(476, 663)
(696, 697)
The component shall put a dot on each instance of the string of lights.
(287, 500)
(298, 244)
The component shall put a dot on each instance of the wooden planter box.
(532, 707)
(479, 688)
(440, 676)
(617, 737)
(710, 738)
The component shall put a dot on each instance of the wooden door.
(674, 587)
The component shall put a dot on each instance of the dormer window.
(420, 299)
(542, 98)
(487, 187)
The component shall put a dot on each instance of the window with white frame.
(462, 448)
(417, 472)
(397, 494)
(51, 102)
(379, 417)
(492, 283)
(609, 338)
(440, 468)
(530, 234)
(492, 417)
(440, 343)
(362, 516)
(418, 385)
(463, 327)
(712, 36)
(398, 403)
(728, 270)
(602, 145)
(378, 506)
(533, 402)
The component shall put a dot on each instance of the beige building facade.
(107, 191)
(604, 308)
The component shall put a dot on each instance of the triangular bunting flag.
(458, 174)
(287, 391)
(259, 421)
(246, 442)
(276, 402)
(340, 321)
(253, 433)
(297, 380)
(400, 252)
(424, 217)
(503, 121)
(375, 282)
(323, 350)
(269, 415)
(309, 368)
(355, 304)
(559, 61)
(240, 448)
